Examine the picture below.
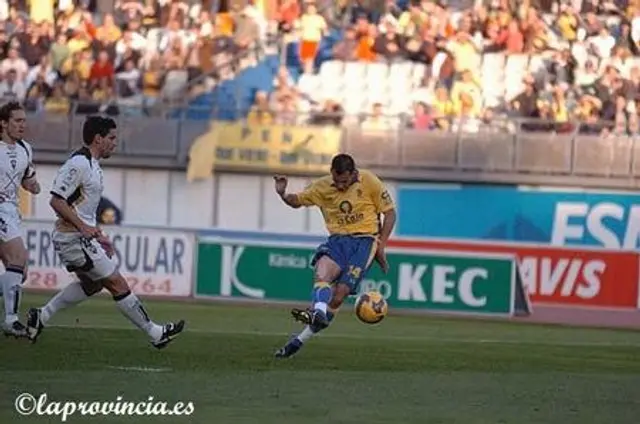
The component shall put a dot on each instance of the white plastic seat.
(331, 69)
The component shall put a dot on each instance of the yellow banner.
(273, 148)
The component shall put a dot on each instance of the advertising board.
(474, 282)
(555, 275)
(559, 217)
(154, 262)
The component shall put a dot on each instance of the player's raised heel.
(290, 349)
(17, 330)
(34, 324)
(171, 331)
(301, 315)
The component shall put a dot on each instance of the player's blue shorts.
(354, 255)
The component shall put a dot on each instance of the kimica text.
(29, 404)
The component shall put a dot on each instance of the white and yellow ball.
(371, 307)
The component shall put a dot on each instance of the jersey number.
(355, 271)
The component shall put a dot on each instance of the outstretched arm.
(281, 188)
(308, 197)
(291, 200)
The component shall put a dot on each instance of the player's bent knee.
(90, 287)
(326, 270)
(15, 254)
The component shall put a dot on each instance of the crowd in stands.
(423, 64)
(113, 56)
(448, 67)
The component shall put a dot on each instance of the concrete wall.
(228, 201)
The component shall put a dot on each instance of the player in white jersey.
(16, 170)
(82, 246)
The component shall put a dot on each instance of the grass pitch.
(407, 369)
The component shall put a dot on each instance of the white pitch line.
(372, 336)
(141, 369)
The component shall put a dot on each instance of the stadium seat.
(492, 79)
(515, 71)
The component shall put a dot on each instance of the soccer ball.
(371, 307)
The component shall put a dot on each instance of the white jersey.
(80, 182)
(15, 159)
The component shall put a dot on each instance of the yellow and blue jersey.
(352, 218)
(355, 211)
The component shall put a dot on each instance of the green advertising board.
(440, 281)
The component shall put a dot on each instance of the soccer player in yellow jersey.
(352, 202)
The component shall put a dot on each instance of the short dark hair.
(343, 163)
(8, 108)
(96, 125)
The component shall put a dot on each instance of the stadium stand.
(118, 57)
(426, 65)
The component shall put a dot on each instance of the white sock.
(11, 282)
(305, 335)
(320, 305)
(65, 298)
(132, 308)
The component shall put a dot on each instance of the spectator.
(128, 80)
(603, 43)
(16, 63)
(515, 39)
(442, 107)
(346, 49)
(260, 113)
(376, 121)
(286, 112)
(102, 69)
(365, 50)
(389, 46)
(312, 28)
(421, 119)
(79, 63)
(11, 87)
(43, 69)
(247, 32)
(59, 51)
(108, 213)
(330, 114)
(58, 102)
(526, 103)
(108, 33)
(152, 81)
(471, 91)
(287, 15)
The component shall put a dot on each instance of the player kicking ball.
(16, 169)
(351, 202)
(82, 247)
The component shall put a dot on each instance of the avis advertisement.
(554, 275)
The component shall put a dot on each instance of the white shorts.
(10, 223)
(83, 256)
